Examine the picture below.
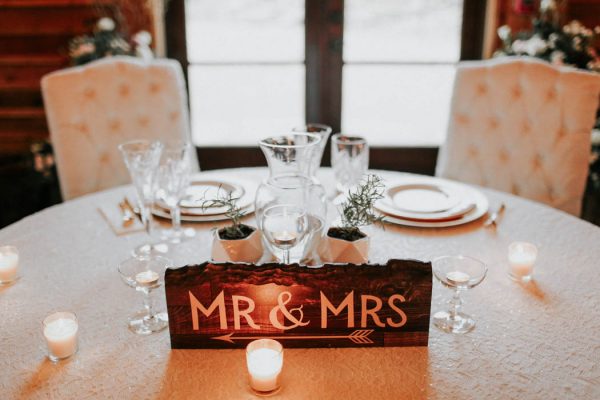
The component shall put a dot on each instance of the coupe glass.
(142, 158)
(145, 274)
(172, 181)
(284, 226)
(459, 273)
(349, 159)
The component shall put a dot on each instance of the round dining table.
(532, 341)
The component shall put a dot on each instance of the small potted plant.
(346, 243)
(237, 242)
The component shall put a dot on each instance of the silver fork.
(495, 216)
(127, 215)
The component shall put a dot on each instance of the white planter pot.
(333, 250)
(248, 250)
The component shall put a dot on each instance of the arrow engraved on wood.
(359, 336)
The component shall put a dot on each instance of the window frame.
(324, 30)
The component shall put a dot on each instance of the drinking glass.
(323, 131)
(142, 158)
(284, 226)
(349, 159)
(459, 273)
(145, 274)
(172, 181)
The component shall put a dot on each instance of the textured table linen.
(531, 341)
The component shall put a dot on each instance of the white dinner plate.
(422, 197)
(473, 202)
(203, 189)
(159, 212)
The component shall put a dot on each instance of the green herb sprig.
(357, 210)
(226, 199)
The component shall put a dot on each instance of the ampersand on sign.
(282, 300)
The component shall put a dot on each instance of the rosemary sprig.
(234, 213)
(357, 210)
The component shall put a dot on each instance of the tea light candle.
(457, 278)
(521, 258)
(284, 238)
(147, 278)
(9, 262)
(264, 358)
(61, 333)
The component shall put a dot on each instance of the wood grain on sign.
(227, 305)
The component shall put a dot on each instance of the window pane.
(239, 105)
(402, 30)
(245, 30)
(397, 104)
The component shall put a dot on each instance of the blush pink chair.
(93, 108)
(523, 126)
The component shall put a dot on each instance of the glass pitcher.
(289, 158)
(323, 131)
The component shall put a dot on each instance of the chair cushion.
(522, 126)
(93, 108)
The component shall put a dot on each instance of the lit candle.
(147, 278)
(9, 262)
(285, 238)
(521, 258)
(457, 278)
(61, 333)
(264, 358)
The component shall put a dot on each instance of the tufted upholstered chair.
(522, 126)
(93, 108)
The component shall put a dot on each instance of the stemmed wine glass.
(142, 158)
(145, 274)
(284, 226)
(459, 273)
(172, 181)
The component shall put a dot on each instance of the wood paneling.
(72, 21)
(34, 36)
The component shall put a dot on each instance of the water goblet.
(173, 179)
(349, 159)
(142, 158)
(284, 226)
(145, 274)
(459, 273)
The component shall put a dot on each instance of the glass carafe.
(289, 158)
(323, 131)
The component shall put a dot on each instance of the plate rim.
(440, 188)
(481, 207)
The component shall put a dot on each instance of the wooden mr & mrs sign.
(228, 305)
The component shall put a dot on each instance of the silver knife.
(495, 216)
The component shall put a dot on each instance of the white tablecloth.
(531, 341)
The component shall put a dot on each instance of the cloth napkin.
(114, 216)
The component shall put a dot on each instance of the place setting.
(429, 202)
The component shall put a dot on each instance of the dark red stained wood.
(409, 278)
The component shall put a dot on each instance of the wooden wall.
(33, 42)
(34, 36)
